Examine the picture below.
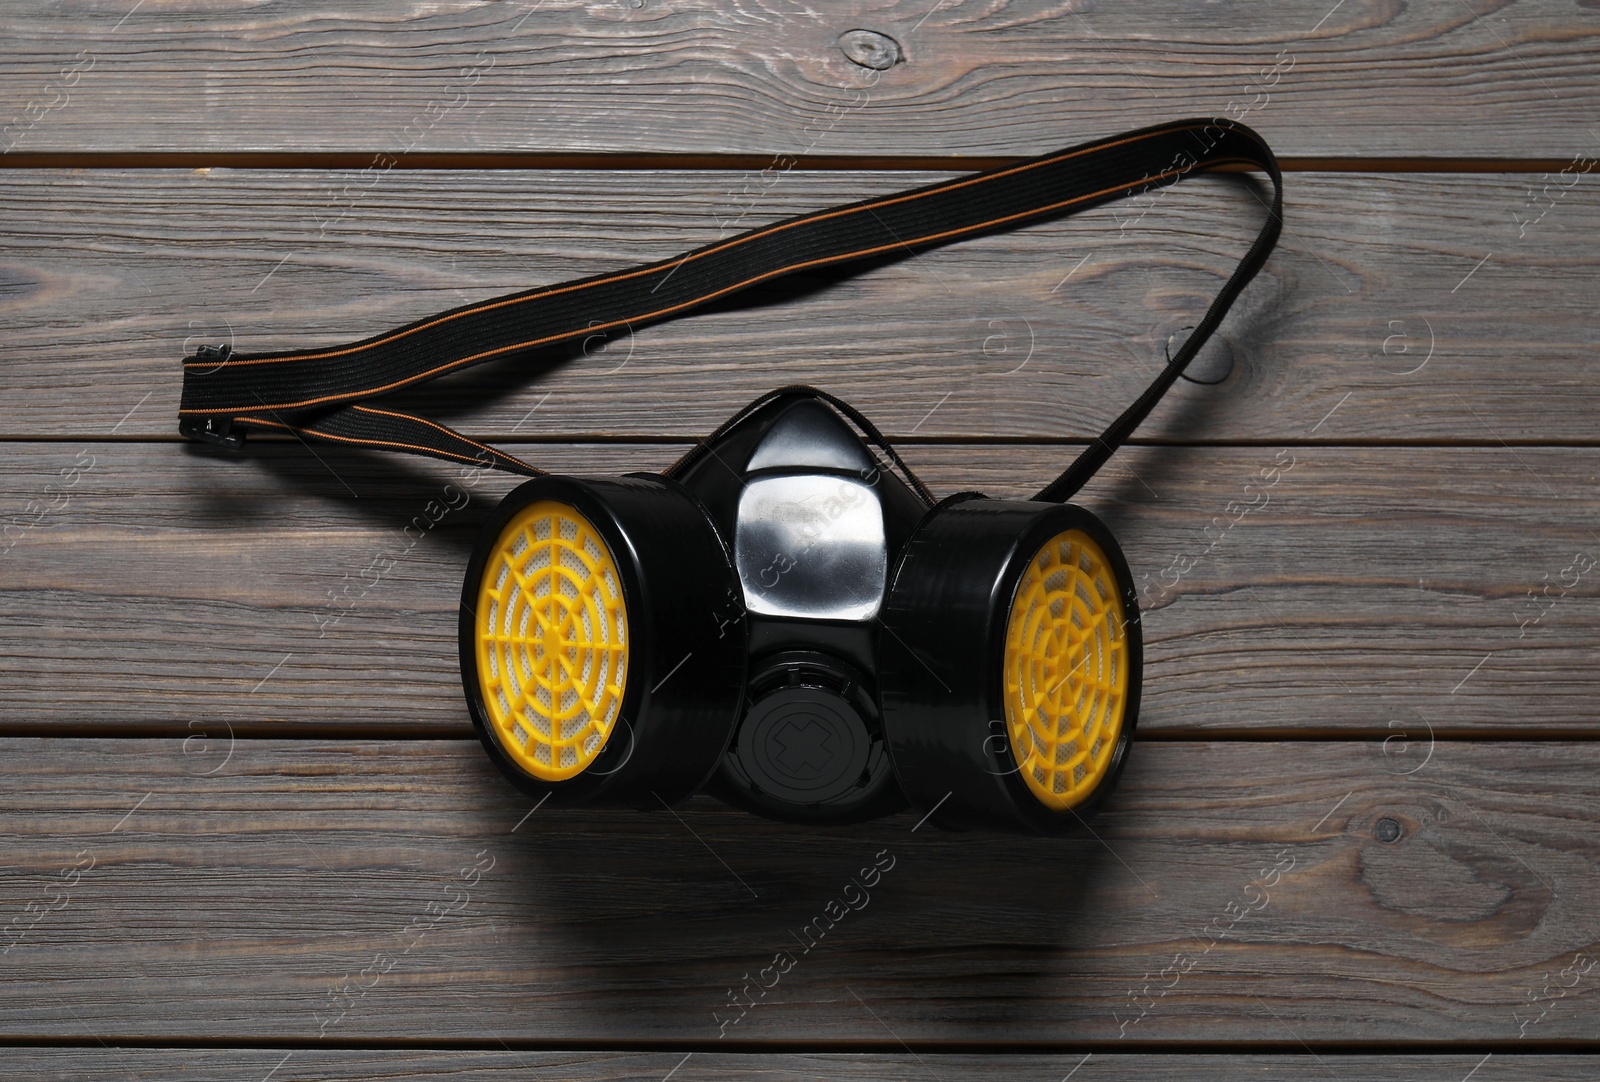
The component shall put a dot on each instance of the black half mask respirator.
(785, 618)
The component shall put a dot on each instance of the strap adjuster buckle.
(217, 431)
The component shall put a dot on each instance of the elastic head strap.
(322, 393)
(1088, 463)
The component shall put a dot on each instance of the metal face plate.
(811, 546)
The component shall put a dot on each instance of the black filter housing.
(686, 657)
(941, 656)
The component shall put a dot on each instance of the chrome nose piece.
(809, 539)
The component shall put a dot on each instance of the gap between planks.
(733, 162)
(1222, 1048)
(336, 733)
(559, 439)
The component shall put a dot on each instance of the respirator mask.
(786, 617)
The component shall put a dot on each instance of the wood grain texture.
(1367, 591)
(1492, 79)
(244, 814)
(94, 1064)
(1395, 308)
(369, 890)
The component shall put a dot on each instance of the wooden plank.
(774, 78)
(1397, 308)
(374, 890)
(92, 1064)
(1361, 589)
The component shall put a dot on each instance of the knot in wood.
(1214, 362)
(870, 49)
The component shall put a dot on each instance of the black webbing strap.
(321, 393)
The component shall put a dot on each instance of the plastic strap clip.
(217, 431)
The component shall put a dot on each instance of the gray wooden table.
(1358, 836)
